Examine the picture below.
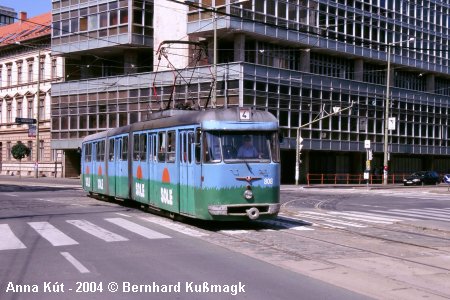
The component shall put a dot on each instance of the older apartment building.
(297, 59)
(26, 62)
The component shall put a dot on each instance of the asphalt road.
(55, 242)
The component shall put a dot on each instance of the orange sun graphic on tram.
(99, 171)
(139, 173)
(166, 176)
(87, 170)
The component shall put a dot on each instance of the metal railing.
(346, 178)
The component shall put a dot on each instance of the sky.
(32, 7)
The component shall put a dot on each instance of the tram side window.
(153, 147)
(198, 135)
(143, 145)
(171, 146)
(211, 148)
(162, 146)
(124, 153)
(111, 150)
(100, 151)
(136, 154)
(87, 152)
(190, 142)
(140, 146)
(275, 148)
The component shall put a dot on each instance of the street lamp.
(38, 93)
(386, 109)
(214, 89)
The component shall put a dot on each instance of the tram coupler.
(253, 213)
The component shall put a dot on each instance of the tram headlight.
(248, 194)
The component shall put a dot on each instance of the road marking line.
(40, 199)
(52, 234)
(124, 215)
(377, 216)
(415, 215)
(334, 221)
(9, 240)
(437, 210)
(97, 231)
(423, 212)
(12, 195)
(231, 231)
(175, 226)
(350, 216)
(79, 266)
(138, 229)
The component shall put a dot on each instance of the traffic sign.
(25, 121)
(447, 178)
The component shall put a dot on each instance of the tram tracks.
(269, 244)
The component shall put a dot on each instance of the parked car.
(421, 178)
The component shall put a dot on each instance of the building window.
(41, 109)
(41, 67)
(41, 150)
(30, 71)
(19, 109)
(30, 146)
(8, 112)
(54, 68)
(9, 75)
(8, 151)
(19, 73)
(30, 108)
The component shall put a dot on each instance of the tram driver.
(247, 150)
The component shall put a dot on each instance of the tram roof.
(171, 118)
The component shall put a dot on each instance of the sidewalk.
(41, 181)
(441, 188)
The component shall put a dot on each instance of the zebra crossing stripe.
(138, 229)
(175, 226)
(324, 217)
(52, 234)
(8, 239)
(358, 218)
(428, 213)
(97, 231)
(412, 214)
(374, 216)
(437, 210)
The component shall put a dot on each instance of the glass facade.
(297, 59)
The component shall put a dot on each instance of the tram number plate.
(244, 114)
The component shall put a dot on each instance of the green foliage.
(20, 151)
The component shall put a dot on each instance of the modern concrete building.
(26, 64)
(297, 59)
(7, 15)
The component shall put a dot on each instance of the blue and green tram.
(221, 164)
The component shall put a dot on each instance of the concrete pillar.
(305, 60)
(430, 83)
(359, 69)
(130, 62)
(239, 47)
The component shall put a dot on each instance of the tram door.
(152, 167)
(121, 167)
(112, 166)
(187, 163)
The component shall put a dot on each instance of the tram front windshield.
(240, 146)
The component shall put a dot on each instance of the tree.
(20, 151)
